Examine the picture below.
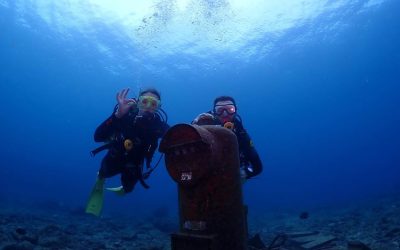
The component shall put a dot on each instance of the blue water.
(316, 82)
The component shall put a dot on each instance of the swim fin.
(118, 190)
(95, 203)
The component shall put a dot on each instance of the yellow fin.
(95, 203)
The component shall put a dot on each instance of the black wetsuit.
(143, 131)
(249, 159)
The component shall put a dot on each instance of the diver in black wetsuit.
(131, 135)
(225, 114)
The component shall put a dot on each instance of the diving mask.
(148, 103)
(229, 108)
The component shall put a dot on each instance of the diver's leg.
(129, 176)
(110, 166)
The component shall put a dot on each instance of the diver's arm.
(107, 128)
(256, 164)
(159, 133)
(251, 155)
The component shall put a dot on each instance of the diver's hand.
(124, 104)
(204, 119)
(243, 176)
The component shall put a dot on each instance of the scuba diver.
(131, 137)
(225, 114)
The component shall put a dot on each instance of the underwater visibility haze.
(316, 83)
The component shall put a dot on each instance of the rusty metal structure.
(204, 162)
